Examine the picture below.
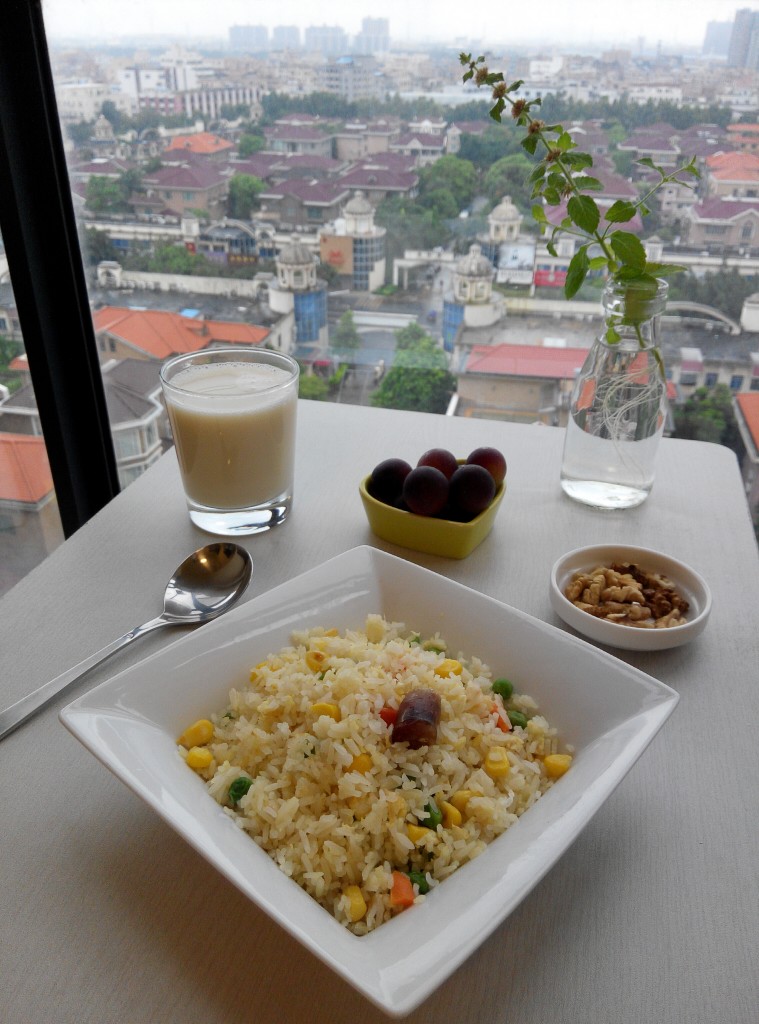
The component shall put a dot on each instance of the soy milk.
(234, 432)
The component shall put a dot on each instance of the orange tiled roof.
(24, 470)
(526, 361)
(204, 143)
(161, 334)
(733, 166)
(19, 363)
(748, 403)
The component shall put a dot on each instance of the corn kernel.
(451, 815)
(449, 667)
(331, 632)
(315, 660)
(254, 675)
(461, 798)
(361, 763)
(557, 764)
(198, 757)
(197, 734)
(326, 708)
(356, 902)
(497, 763)
(416, 833)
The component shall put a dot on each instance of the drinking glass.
(232, 413)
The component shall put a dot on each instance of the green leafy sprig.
(561, 174)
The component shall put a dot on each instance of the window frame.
(41, 240)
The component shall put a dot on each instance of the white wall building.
(81, 101)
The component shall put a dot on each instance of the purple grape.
(442, 459)
(386, 482)
(472, 489)
(491, 460)
(425, 490)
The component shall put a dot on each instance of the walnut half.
(628, 595)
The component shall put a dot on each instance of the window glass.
(30, 526)
(209, 146)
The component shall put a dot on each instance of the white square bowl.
(607, 710)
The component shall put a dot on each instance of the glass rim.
(247, 355)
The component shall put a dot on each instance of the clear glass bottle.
(616, 417)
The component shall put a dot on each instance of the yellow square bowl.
(426, 533)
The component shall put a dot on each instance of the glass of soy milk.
(232, 414)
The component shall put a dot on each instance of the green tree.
(413, 337)
(9, 349)
(441, 202)
(313, 387)
(456, 176)
(97, 247)
(80, 133)
(175, 259)
(708, 416)
(726, 290)
(419, 378)
(234, 111)
(493, 144)
(104, 195)
(244, 190)
(249, 144)
(624, 162)
(119, 121)
(346, 337)
(508, 177)
(406, 222)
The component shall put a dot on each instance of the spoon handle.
(12, 717)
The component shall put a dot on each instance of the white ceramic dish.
(606, 709)
(687, 581)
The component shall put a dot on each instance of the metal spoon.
(204, 586)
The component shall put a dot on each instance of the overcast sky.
(591, 22)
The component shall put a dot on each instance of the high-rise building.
(250, 38)
(353, 78)
(743, 51)
(285, 37)
(717, 38)
(329, 40)
(374, 36)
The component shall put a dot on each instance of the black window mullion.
(39, 230)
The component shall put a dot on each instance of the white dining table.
(652, 915)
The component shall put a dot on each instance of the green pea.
(239, 788)
(430, 645)
(432, 816)
(504, 687)
(517, 718)
(419, 879)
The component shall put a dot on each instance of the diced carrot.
(402, 892)
(388, 715)
(501, 723)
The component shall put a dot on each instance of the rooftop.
(526, 361)
(748, 403)
(24, 469)
(162, 334)
(204, 143)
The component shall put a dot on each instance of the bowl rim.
(584, 556)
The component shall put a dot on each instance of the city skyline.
(591, 24)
